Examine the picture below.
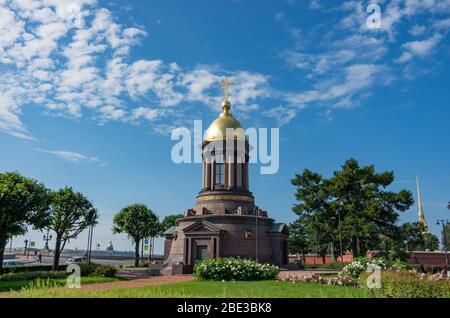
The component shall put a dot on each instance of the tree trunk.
(151, 250)
(387, 250)
(142, 250)
(136, 252)
(57, 253)
(354, 247)
(3, 241)
(361, 248)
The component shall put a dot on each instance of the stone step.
(133, 273)
(166, 270)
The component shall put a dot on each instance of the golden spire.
(226, 105)
(419, 202)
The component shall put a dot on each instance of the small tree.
(138, 222)
(23, 202)
(71, 214)
(298, 238)
(314, 208)
(416, 238)
(168, 222)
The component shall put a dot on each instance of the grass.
(204, 289)
(7, 286)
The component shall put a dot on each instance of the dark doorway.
(202, 252)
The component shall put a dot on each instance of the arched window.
(220, 170)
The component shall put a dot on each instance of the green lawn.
(6, 286)
(208, 289)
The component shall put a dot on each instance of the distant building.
(110, 247)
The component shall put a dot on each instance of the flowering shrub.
(360, 265)
(410, 284)
(333, 280)
(234, 269)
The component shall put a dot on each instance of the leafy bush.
(38, 268)
(225, 269)
(321, 279)
(11, 277)
(97, 270)
(408, 284)
(360, 265)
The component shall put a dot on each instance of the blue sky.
(91, 103)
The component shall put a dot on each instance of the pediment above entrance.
(202, 226)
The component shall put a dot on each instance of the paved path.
(141, 282)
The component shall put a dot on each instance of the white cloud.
(357, 77)
(89, 72)
(417, 30)
(283, 115)
(419, 48)
(146, 113)
(442, 24)
(197, 82)
(249, 87)
(314, 5)
(70, 156)
(9, 119)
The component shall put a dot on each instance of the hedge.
(32, 275)
(225, 269)
(37, 268)
(87, 270)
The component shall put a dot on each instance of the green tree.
(415, 237)
(298, 238)
(71, 213)
(359, 197)
(168, 222)
(314, 211)
(368, 210)
(138, 222)
(23, 202)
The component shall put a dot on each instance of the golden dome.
(218, 129)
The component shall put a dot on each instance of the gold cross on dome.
(226, 87)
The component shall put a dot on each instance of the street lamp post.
(444, 236)
(90, 237)
(26, 246)
(340, 238)
(47, 237)
(340, 234)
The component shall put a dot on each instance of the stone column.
(239, 175)
(213, 176)
(231, 173)
(208, 176)
(225, 172)
(203, 175)
(247, 185)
